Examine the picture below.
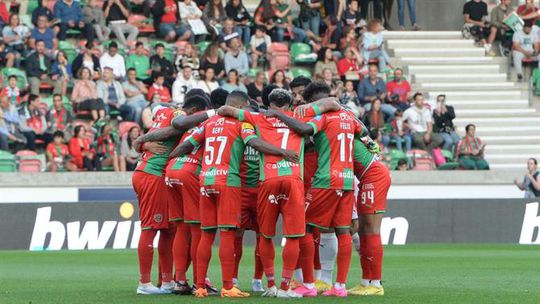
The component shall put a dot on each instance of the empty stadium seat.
(421, 160)
(29, 161)
(7, 162)
(296, 71)
(301, 53)
(280, 58)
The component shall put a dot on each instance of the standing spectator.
(140, 62)
(70, 15)
(81, 151)
(208, 83)
(233, 82)
(334, 11)
(61, 71)
(58, 117)
(475, 14)
(166, 21)
(278, 79)
(58, 154)
(398, 91)
(43, 32)
(84, 95)
(214, 14)
(86, 59)
(443, 116)
(387, 12)
(259, 44)
(14, 35)
(420, 122)
(141, 7)
(310, 16)
(12, 91)
(236, 59)
(117, 14)
(158, 88)
(93, 14)
(236, 10)
(264, 15)
(528, 11)
(373, 47)
(126, 149)
(4, 13)
(525, 44)
(189, 11)
(411, 4)
(111, 92)
(283, 20)
(401, 132)
(9, 124)
(32, 123)
(256, 87)
(531, 181)
(111, 59)
(135, 92)
(160, 64)
(377, 9)
(371, 87)
(325, 60)
(498, 28)
(375, 120)
(228, 32)
(107, 150)
(470, 151)
(349, 66)
(211, 59)
(39, 69)
(183, 83)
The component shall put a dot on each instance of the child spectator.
(82, 153)
(400, 132)
(12, 91)
(373, 45)
(159, 89)
(107, 150)
(260, 43)
(127, 152)
(58, 157)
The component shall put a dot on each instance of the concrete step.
(432, 52)
(510, 158)
(451, 60)
(454, 69)
(506, 166)
(511, 149)
(488, 104)
(435, 35)
(453, 95)
(476, 77)
(467, 86)
(513, 139)
(429, 43)
(503, 121)
(485, 131)
(502, 112)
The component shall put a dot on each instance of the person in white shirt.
(189, 11)
(115, 61)
(259, 44)
(183, 83)
(420, 122)
(209, 83)
(525, 46)
(235, 58)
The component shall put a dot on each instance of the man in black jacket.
(443, 116)
(160, 64)
(39, 69)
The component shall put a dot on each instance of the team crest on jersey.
(158, 217)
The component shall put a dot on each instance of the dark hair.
(57, 95)
(528, 23)
(534, 160)
(138, 44)
(113, 44)
(280, 97)
(77, 130)
(159, 45)
(401, 162)
(261, 28)
(265, 92)
(374, 100)
(253, 105)
(238, 96)
(58, 133)
(417, 94)
(398, 112)
(315, 90)
(132, 69)
(199, 102)
(236, 72)
(211, 5)
(469, 126)
(32, 97)
(273, 78)
(299, 82)
(12, 76)
(218, 97)
(39, 40)
(157, 75)
(374, 133)
(321, 54)
(129, 142)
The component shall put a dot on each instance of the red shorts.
(330, 208)
(249, 209)
(283, 196)
(219, 206)
(176, 206)
(153, 199)
(374, 187)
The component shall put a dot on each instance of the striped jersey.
(190, 162)
(363, 159)
(249, 168)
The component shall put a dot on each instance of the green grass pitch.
(412, 274)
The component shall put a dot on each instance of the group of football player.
(222, 163)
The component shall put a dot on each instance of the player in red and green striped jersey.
(224, 141)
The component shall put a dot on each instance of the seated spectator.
(141, 7)
(256, 87)
(373, 45)
(401, 132)
(111, 92)
(189, 57)
(39, 70)
(7, 58)
(374, 119)
(139, 61)
(310, 16)
(498, 29)
(58, 154)
(236, 10)
(349, 96)
(44, 10)
(43, 32)
(88, 60)
(32, 123)
(334, 12)
(233, 82)
(107, 150)
(211, 59)
(62, 71)
(526, 46)
(160, 64)
(402, 165)
(420, 122)
(190, 12)
(265, 16)
(208, 83)
(443, 116)
(349, 66)
(117, 14)
(70, 15)
(93, 15)
(398, 91)
(528, 11)
(214, 14)
(158, 88)
(166, 21)
(127, 151)
(84, 95)
(58, 117)
(350, 39)
(336, 86)
(279, 80)
(81, 151)
(325, 60)
(236, 59)
(14, 35)
(183, 83)
(475, 13)
(371, 87)
(470, 151)
(259, 44)
(226, 34)
(283, 21)
(135, 92)
(111, 59)
(531, 181)
(13, 92)
(9, 125)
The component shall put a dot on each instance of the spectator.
(236, 59)
(349, 96)
(283, 20)
(531, 181)
(141, 7)
(264, 16)
(373, 46)
(58, 154)
(475, 14)
(160, 64)
(12, 91)
(81, 151)
(420, 122)
(233, 82)
(139, 61)
(84, 95)
(190, 12)
(43, 32)
(58, 117)
(375, 120)
(88, 60)
(135, 92)
(61, 71)
(349, 66)
(498, 29)
(235, 9)
(401, 132)
(256, 87)
(259, 44)
(325, 60)
(525, 46)
(470, 151)
(528, 11)
(214, 14)
(159, 89)
(93, 14)
(166, 21)
(32, 123)
(117, 14)
(335, 86)
(411, 4)
(210, 59)
(227, 33)
(14, 35)
(7, 58)
(107, 150)
(398, 91)
(377, 9)
(9, 124)
(183, 83)
(126, 150)
(334, 13)
(147, 116)
(191, 58)
(111, 59)
(4, 13)
(111, 92)
(350, 39)
(70, 15)
(371, 87)
(387, 12)
(208, 83)
(39, 69)
(402, 165)
(44, 10)
(278, 79)
(352, 17)
(310, 16)
(443, 116)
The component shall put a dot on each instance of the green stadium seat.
(252, 72)
(296, 71)
(27, 20)
(22, 81)
(450, 163)
(203, 45)
(32, 5)
(7, 162)
(395, 156)
(300, 53)
(535, 79)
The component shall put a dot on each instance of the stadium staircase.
(441, 62)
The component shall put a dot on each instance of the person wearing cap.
(111, 59)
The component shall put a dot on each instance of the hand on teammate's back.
(291, 156)
(155, 147)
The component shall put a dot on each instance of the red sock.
(226, 257)
(317, 240)
(364, 261)
(204, 254)
(344, 255)
(290, 254)
(181, 251)
(195, 239)
(267, 254)
(258, 263)
(165, 246)
(145, 251)
(376, 252)
(307, 253)
(237, 253)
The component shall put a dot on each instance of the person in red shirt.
(159, 89)
(167, 21)
(12, 91)
(398, 91)
(349, 66)
(58, 154)
(526, 10)
(82, 153)
(4, 13)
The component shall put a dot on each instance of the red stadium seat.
(281, 57)
(28, 161)
(26, 153)
(422, 160)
